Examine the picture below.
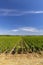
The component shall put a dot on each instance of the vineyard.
(21, 44)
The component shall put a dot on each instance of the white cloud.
(14, 12)
(22, 31)
(15, 30)
(26, 31)
(29, 29)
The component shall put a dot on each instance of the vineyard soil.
(21, 59)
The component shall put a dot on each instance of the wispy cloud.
(14, 12)
(22, 31)
(15, 30)
(27, 29)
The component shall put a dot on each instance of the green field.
(21, 44)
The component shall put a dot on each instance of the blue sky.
(21, 17)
